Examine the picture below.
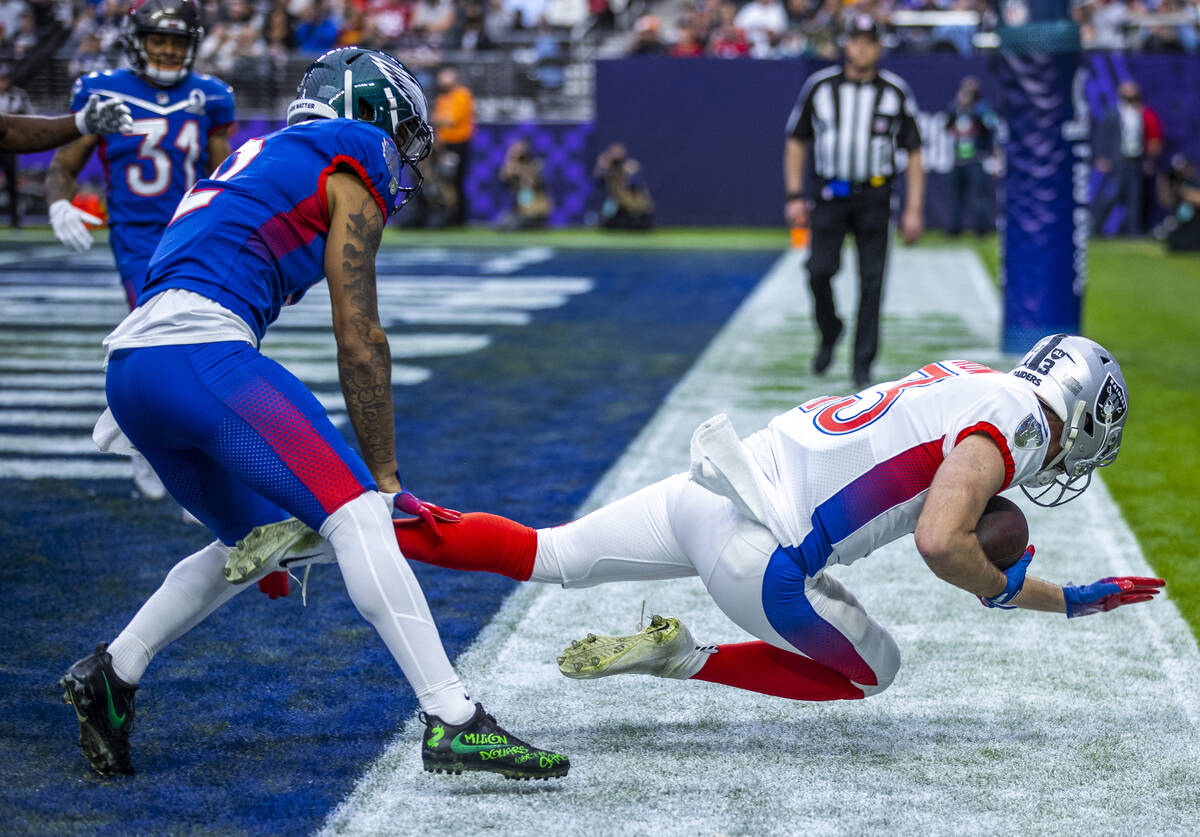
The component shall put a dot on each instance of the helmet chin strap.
(167, 77)
(1070, 431)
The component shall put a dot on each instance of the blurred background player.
(181, 128)
(182, 123)
(454, 122)
(855, 117)
(239, 441)
(627, 202)
(760, 520)
(972, 126)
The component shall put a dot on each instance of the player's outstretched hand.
(104, 117)
(68, 222)
(1109, 593)
(1016, 580)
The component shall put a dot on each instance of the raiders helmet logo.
(1111, 403)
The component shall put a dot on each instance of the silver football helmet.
(1083, 384)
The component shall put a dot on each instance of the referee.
(855, 116)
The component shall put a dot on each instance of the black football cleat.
(480, 744)
(104, 707)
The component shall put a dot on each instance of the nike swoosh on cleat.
(116, 720)
(294, 558)
(465, 749)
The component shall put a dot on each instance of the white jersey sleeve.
(1010, 414)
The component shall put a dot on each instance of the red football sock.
(479, 543)
(759, 667)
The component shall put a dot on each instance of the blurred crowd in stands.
(246, 37)
(790, 28)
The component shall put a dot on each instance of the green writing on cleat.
(436, 736)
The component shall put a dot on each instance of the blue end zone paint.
(260, 719)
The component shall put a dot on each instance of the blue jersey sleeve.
(371, 154)
(219, 103)
(80, 91)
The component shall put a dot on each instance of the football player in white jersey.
(759, 520)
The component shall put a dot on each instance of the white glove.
(68, 223)
(108, 117)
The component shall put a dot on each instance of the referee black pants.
(866, 214)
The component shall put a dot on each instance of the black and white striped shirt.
(855, 127)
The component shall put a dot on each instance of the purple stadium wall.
(709, 132)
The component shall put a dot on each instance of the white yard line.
(1019, 721)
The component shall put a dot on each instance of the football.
(1003, 532)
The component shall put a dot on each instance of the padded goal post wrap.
(1046, 217)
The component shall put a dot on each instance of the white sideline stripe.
(108, 468)
(47, 418)
(1087, 726)
(44, 444)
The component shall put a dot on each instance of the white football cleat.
(664, 648)
(146, 480)
(276, 546)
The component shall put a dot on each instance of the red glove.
(1109, 593)
(407, 503)
(275, 584)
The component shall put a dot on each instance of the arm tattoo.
(367, 383)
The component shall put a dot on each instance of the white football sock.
(386, 593)
(194, 588)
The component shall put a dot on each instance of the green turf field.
(1145, 306)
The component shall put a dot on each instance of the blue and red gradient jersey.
(252, 237)
(149, 170)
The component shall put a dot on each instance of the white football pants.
(676, 529)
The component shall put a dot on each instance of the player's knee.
(359, 530)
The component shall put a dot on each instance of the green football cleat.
(104, 707)
(275, 546)
(480, 744)
(664, 648)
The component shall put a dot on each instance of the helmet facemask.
(414, 141)
(180, 19)
(1082, 384)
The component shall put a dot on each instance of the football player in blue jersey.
(241, 442)
(181, 126)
